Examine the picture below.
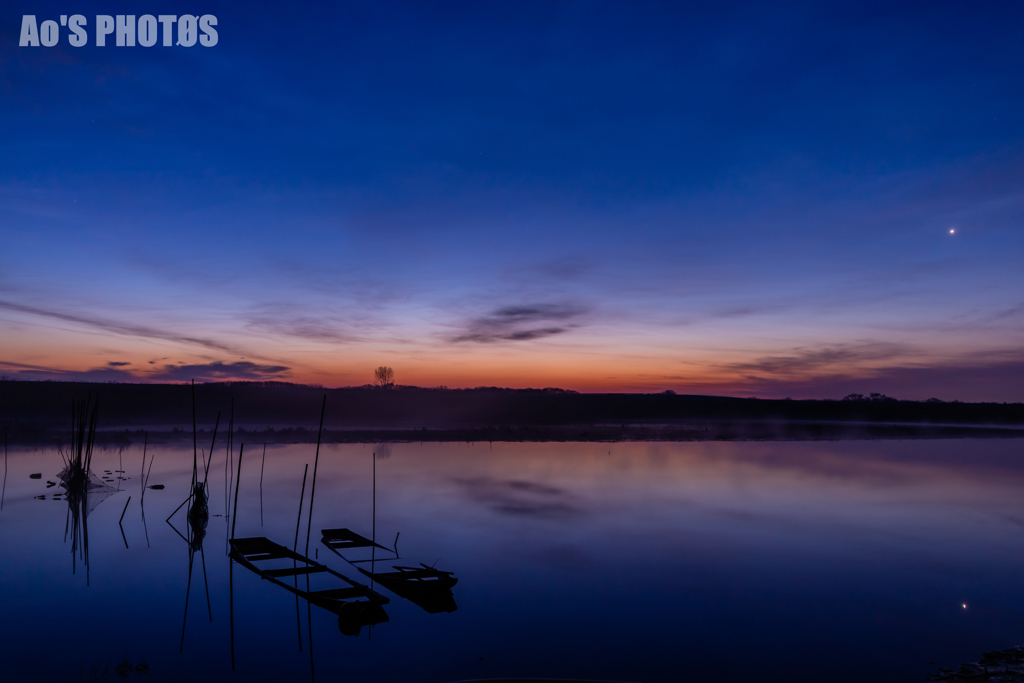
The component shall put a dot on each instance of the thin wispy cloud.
(1009, 312)
(117, 327)
(565, 268)
(305, 327)
(805, 360)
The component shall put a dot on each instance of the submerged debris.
(1000, 666)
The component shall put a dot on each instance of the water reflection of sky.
(723, 561)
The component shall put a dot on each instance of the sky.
(749, 199)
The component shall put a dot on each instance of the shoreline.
(723, 430)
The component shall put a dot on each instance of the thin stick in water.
(373, 521)
(123, 537)
(4, 493)
(298, 524)
(229, 458)
(195, 472)
(142, 477)
(150, 470)
(373, 503)
(176, 509)
(228, 474)
(309, 628)
(209, 610)
(312, 488)
(188, 590)
(238, 480)
(262, 465)
(206, 473)
(309, 527)
(231, 593)
(125, 510)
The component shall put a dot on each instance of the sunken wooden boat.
(425, 586)
(355, 605)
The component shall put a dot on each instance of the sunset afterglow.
(494, 213)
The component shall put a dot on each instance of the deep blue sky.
(733, 198)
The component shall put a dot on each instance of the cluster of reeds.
(78, 460)
(75, 475)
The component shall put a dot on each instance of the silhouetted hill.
(46, 406)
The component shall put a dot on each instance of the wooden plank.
(257, 557)
(253, 546)
(346, 538)
(411, 575)
(339, 593)
(297, 571)
(333, 600)
(427, 567)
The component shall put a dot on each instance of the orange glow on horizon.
(714, 362)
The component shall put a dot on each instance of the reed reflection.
(197, 515)
(84, 490)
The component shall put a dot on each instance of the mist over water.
(795, 561)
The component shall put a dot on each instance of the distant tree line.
(874, 396)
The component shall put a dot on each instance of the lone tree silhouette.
(384, 377)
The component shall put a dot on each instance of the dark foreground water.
(812, 561)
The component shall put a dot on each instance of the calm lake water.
(806, 561)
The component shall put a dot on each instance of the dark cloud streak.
(520, 323)
(40, 372)
(218, 370)
(214, 371)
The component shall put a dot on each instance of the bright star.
(952, 231)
